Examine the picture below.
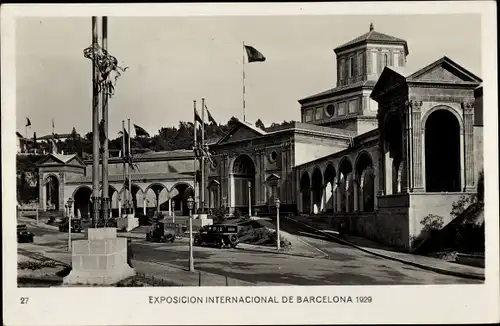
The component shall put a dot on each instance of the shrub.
(34, 265)
(219, 214)
(237, 213)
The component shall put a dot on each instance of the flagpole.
(195, 157)
(128, 168)
(95, 129)
(202, 194)
(124, 155)
(244, 113)
(105, 152)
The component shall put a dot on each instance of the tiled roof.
(138, 177)
(332, 91)
(374, 37)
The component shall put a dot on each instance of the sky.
(174, 60)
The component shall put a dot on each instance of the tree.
(260, 124)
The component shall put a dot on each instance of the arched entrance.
(317, 190)
(52, 191)
(305, 192)
(82, 205)
(244, 182)
(346, 188)
(181, 192)
(330, 187)
(366, 177)
(442, 152)
(137, 198)
(157, 199)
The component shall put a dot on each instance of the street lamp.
(70, 203)
(249, 198)
(173, 211)
(277, 202)
(190, 203)
(66, 212)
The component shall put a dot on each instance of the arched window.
(386, 60)
(351, 67)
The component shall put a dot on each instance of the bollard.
(226, 281)
(199, 278)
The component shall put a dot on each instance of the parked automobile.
(143, 219)
(76, 225)
(163, 232)
(23, 235)
(218, 235)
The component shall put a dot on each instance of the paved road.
(345, 265)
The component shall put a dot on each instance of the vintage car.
(219, 235)
(23, 235)
(76, 225)
(163, 232)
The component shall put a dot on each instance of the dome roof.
(373, 37)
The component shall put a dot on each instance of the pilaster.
(416, 137)
(468, 113)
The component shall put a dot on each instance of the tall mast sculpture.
(95, 127)
(105, 150)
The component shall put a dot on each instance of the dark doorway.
(442, 152)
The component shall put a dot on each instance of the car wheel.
(169, 237)
(220, 244)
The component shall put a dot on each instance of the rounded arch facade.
(442, 130)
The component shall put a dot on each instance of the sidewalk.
(167, 272)
(423, 262)
(298, 248)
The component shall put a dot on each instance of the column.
(355, 191)
(469, 145)
(361, 199)
(339, 198)
(170, 207)
(230, 197)
(323, 199)
(311, 201)
(417, 131)
(381, 167)
(144, 206)
(259, 177)
(388, 174)
(407, 157)
(119, 207)
(41, 194)
(334, 197)
(347, 196)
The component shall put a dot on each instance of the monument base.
(99, 260)
(127, 222)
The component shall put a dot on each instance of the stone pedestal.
(99, 260)
(201, 216)
(127, 222)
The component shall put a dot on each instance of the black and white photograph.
(214, 161)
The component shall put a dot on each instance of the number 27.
(24, 300)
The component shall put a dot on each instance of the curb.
(279, 252)
(43, 226)
(421, 266)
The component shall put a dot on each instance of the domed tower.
(359, 64)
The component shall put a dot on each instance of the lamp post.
(190, 202)
(277, 202)
(173, 211)
(249, 198)
(66, 212)
(70, 203)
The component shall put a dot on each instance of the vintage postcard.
(282, 163)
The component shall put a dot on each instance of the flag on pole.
(210, 118)
(254, 55)
(53, 124)
(197, 117)
(28, 122)
(140, 132)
